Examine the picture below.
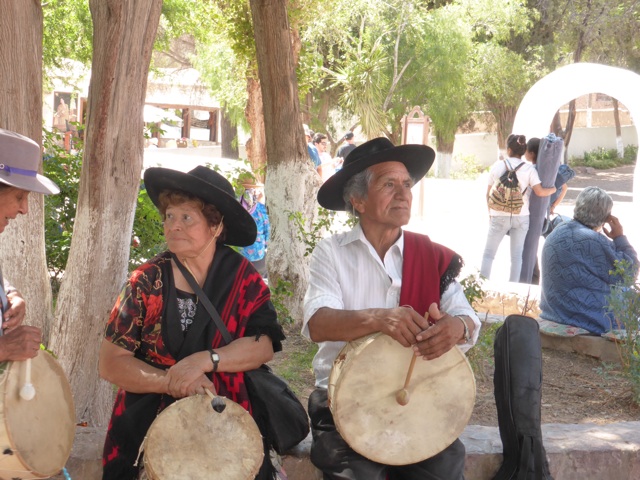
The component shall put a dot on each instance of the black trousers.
(331, 454)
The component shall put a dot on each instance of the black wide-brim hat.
(417, 158)
(210, 187)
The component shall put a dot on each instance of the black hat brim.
(416, 158)
(204, 183)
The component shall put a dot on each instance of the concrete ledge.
(576, 452)
(593, 346)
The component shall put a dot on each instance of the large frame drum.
(364, 381)
(36, 435)
(190, 440)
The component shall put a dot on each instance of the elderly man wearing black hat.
(160, 343)
(362, 281)
(19, 161)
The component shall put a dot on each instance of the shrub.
(624, 305)
(469, 170)
(481, 355)
(60, 210)
(603, 158)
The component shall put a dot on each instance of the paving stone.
(576, 452)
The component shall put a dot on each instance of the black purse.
(280, 416)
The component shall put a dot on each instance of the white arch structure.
(541, 102)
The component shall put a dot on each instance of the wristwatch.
(215, 359)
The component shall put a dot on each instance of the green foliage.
(604, 158)
(279, 293)
(297, 367)
(472, 287)
(624, 305)
(60, 210)
(470, 170)
(67, 33)
(481, 355)
(310, 237)
(147, 239)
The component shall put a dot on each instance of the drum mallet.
(217, 402)
(402, 396)
(27, 392)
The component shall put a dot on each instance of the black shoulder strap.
(215, 316)
(515, 169)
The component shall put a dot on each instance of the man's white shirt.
(346, 273)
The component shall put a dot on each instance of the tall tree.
(291, 181)
(22, 244)
(124, 32)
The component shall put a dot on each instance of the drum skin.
(36, 435)
(364, 380)
(190, 440)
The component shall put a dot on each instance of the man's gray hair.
(356, 187)
(593, 206)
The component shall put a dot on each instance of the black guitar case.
(517, 385)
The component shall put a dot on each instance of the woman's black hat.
(210, 187)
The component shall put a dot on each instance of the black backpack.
(518, 390)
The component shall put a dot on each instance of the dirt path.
(576, 388)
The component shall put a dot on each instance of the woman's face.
(186, 229)
(13, 202)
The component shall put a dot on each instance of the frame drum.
(190, 440)
(36, 435)
(364, 380)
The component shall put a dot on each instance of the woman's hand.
(188, 375)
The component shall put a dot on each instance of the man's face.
(389, 196)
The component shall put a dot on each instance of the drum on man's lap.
(366, 377)
(36, 435)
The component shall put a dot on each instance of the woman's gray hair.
(593, 206)
(356, 187)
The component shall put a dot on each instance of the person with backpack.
(510, 183)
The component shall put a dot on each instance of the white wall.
(484, 146)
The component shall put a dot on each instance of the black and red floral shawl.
(145, 321)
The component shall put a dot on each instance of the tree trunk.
(291, 181)
(124, 32)
(22, 251)
(556, 125)
(444, 157)
(229, 134)
(568, 131)
(616, 119)
(257, 144)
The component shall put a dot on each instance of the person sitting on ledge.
(577, 259)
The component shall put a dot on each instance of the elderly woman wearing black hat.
(362, 281)
(160, 343)
(19, 160)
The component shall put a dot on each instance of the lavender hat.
(19, 160)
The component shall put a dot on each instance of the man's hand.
(403, 324)
(615, 228)
(15, 313)
(20, 343)
(438, 339)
